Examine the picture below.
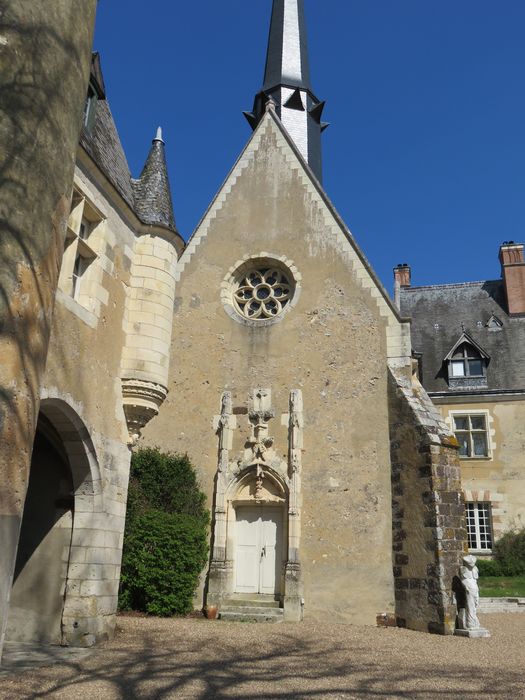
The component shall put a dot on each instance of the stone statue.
(469, 575)
(467, 595)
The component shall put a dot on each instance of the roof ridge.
(448, 285)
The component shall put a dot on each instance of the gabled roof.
(398, 333)
(441, 313)
(466, 338)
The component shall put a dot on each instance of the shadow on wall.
(36, 170)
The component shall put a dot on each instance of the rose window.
(262, 293)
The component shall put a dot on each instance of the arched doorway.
(37, 596)
(60, 475)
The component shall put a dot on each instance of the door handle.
(263, 552)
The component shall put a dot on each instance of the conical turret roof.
(152, 193)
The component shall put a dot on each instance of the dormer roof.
(466, 338)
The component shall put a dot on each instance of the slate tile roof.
(441, 313)
(152, 190)
(149, 196)
(104, 146)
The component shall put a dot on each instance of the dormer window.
(467, 364)
(96, 92)
(90, 107)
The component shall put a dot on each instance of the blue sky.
(425, 155)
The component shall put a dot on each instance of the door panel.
(271, 536)
(248, 550)
(258, 549)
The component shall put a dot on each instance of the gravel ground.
(191, 658)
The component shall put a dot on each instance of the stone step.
(237, 614)
(497, 605)
(251, 602)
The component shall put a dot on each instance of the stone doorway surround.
(257, 477)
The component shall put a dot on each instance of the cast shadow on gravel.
(195, 670)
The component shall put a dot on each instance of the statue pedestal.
(473, 634)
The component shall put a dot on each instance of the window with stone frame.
(479, 526)
(471, 432)
(79, 253)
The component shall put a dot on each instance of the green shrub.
(509, 552)
(164, 481)
(489, 567)
(165, 540)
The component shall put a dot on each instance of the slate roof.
(149, 196)
(104, 146)
(441, 313)
(152, 190)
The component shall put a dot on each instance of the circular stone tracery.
(262, 293)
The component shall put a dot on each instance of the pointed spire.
(287, 82)
(287, 57)
(152, 192)
(158, 136)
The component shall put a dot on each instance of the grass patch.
(502, 586)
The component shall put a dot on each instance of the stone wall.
(429, 530)
(498, 478)
(45, 51)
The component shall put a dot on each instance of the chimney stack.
(513, 274)
(401, 279)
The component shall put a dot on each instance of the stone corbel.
(141, 401)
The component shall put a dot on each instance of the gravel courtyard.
(193, 658)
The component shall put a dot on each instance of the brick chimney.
(401, 279)
(513, 274)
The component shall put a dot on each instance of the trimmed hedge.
(165, 539)
(509, 552)
(509, 556)
(489, 567)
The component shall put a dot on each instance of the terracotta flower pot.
(211, 612)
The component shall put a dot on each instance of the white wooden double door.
(258, 560)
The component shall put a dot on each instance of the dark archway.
(39, 584)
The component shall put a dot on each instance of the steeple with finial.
(152, 189)
(287, 82)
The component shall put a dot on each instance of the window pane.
(458, 368)
(471, 525)
(484, 527)
(464, 444)
(478, 422)
(479, 526)
(480, 444)
(475, 368)
(461, 422)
